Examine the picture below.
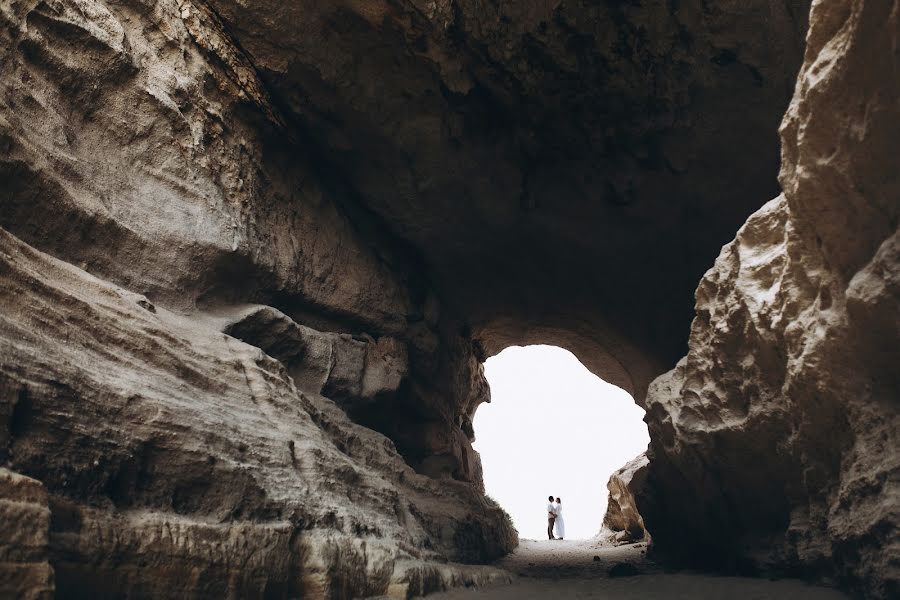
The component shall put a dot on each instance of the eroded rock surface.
(253, 256)
(622, 517)
(138, 142)
(348, 370)
(25, 570)
(503, 140)
(186, 462)
(138, 145)
(776, 441)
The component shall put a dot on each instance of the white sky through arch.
(553, 427)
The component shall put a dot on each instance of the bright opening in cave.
(553, 427)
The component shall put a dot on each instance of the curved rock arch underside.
(253, 255)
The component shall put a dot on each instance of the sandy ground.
(567, 569)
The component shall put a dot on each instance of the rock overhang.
(563, 165)
(451, 178)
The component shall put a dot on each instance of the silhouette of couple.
(555, 518)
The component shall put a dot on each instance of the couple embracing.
(555, 518)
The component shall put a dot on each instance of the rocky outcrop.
(347, 370)
(194, 455)
(505, 140)
(774, 443)
(138, 142)
(622, 517)
(253, 255)
(139, 147)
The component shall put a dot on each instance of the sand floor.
(566, 569)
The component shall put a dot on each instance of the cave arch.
(553, 425)
(398, 190)
(607, 354)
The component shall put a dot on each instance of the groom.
(551, 518)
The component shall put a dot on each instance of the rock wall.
(559, 166)
(190, 306)
(252, 257)
(180, 461)
(622, 516)
(25, 569)
(139, 143)
(776, 441)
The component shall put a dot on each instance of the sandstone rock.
(622, 514)
(504, 141)
(174, 175)
(775, 441)
(25, 570)
(319, 362)
(193, 465)
(129, 149)
(377, 196)
(387, 364)
(199, 167)
(416, 579)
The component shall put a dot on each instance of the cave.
(253, 257)
(553, 426)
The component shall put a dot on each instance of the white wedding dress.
(560, 524)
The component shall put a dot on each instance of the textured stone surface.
(503, 140)
(213, 154)
(347, 370)
(138, 142)
(187, 462)
(25, 570)
(775, 441)
(622, 514)
(286, 236)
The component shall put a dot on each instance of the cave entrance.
(552, 426)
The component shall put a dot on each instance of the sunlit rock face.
(181, 461)
(252, 256)
(622, 518)
(188, 314)
(776, 441)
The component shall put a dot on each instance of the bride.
(560, 525)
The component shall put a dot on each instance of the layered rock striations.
(516, 144)
(178, 377)
(252, 257)
(140, 144)
(181, 461)
(775, 441)
(25, 569)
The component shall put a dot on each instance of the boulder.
(622, 514)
